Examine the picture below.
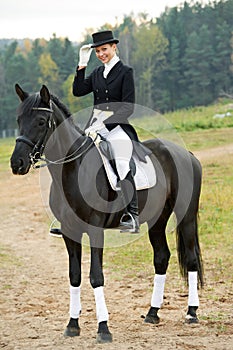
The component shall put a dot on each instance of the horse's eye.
(42, 122)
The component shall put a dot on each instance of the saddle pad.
(145, 176)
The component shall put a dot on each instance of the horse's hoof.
(72, 332)
(191, 319)
(103, 338)
(152, 319)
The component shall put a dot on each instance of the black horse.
(83, 201)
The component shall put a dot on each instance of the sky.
(32, 19)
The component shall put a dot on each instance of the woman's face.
(105, 52)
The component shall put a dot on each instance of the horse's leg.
(97, 283)
(188, 248)
(190, 262)
(158, 240)
(75, 252)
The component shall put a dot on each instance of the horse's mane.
(34, 101)
(61, 105)
(66, 112)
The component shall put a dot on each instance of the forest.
(182, 59)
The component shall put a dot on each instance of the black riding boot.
(130, 219)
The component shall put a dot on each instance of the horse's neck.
(62, 137)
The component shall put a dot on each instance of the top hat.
(101, 38)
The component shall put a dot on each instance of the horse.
(82, 200)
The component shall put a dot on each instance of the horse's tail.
(181, 251)
(188, 248)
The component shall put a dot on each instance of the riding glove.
(84, 55)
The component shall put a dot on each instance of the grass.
(6, 148)
(199, 118)
(196, 128)
(215, 226)
(216, 213)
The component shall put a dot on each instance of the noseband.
(38, 147)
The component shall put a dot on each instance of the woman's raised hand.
(84, 55)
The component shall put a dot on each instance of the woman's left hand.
(95, 127)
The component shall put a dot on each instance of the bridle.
(38, 147)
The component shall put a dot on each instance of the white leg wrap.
(193, 299)
(75, 303)
(157, 296)
(101, 308)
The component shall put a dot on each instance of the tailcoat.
(115, 93)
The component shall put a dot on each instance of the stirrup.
(53, 231)
(128, 226)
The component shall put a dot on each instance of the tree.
(222, 76)
(148, 60)
(198, 71)
(69, 60)
(171, 78)
(77, 104)
(49, 72)
(13, 70)
(125, 33)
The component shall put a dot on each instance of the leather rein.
(39, 146)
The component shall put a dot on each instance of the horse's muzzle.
(19, 165)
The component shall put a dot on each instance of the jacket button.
(107, 107)
(106, 91)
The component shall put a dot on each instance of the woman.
(112, 85)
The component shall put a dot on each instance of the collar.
(108, 66)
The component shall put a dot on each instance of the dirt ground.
(35, 290)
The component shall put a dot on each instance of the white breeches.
(122, 146)
(122, 149)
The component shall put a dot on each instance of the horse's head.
(34, 119)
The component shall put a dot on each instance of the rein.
(39, 146)
(67, 159)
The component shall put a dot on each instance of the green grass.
(6, 148)
(199, 118)
(196, 128)
(216, 212)
(205, 139)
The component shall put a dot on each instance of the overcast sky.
(70, 18)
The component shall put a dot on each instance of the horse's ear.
(22, 94)
(44, 94)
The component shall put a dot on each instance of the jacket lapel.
(114, 72)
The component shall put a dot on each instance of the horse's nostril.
(17, 165)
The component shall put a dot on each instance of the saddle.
(140, 164)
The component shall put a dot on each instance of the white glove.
(84, 55)
(95, 127)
